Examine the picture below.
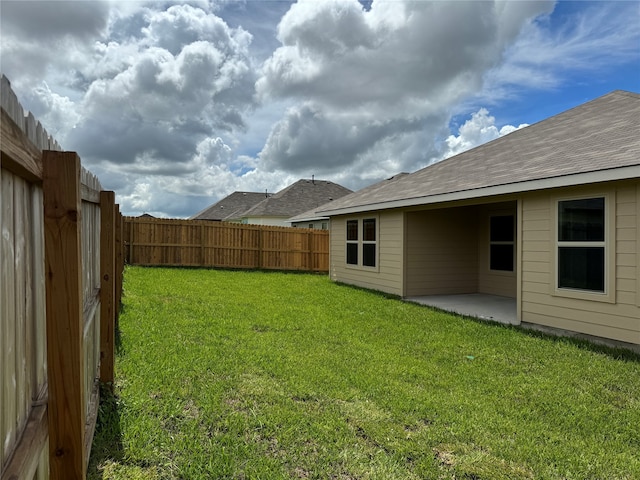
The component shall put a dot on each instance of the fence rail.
(59, 293)
(200, 243)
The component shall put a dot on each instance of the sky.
(175, 105)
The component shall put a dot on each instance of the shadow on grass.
(107, 440)
(616, 350)
(610, 348)
(582, 341)
(585, 342)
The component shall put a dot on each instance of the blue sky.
(576, 86)
(177, 104)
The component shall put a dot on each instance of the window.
(501, 243)
(581, 255)
(362, 242)
(311, 225)
(369, 242)
(352, 242)
(325, 225)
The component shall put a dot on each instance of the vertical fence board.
(39, 373)
(3, 318)
(107, 287)
(63, 256)
(8, 367)
(28, 298)
(120, 260)
(4, 304)
(20, 222)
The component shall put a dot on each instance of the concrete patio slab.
(479, 305)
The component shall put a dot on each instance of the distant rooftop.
(298, 197)
(230, 207)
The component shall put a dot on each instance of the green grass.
(250, 375)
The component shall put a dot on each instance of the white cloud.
(173, 86)
(479, 129)
(547, 52)
(377, 86)
(176, 104)
(54, 110)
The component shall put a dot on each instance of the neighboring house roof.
(595, 141)
(314, 215)
(230, 207)
(298, 197)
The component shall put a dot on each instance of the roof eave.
(620, 173)
(307, 219)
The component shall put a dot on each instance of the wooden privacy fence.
(200, 243)
(60, 287)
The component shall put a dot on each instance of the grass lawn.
(250, 375)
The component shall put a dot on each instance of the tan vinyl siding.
(619, 320)
(493, 282)
(442, 252)
(387, 277)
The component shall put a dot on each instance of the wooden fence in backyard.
(200, 243)
(60, 286)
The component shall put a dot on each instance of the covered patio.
(483, 306)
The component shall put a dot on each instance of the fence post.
(107, 286)
(120, 251)
(65, 349)
(260, 248)
(310, 247)
(131, 239)
(202, 242)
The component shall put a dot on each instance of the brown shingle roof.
(597, 136)
(230, 207)
(298, 197)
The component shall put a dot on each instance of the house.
(313, 219)
(544, 221)
(231, 207)
(273, 209)
(310, 219)
(298, 197)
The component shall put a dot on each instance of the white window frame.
(361, 242)
(609, 294)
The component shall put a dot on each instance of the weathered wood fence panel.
(54, 336)
(23, 364)
(199, 243)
